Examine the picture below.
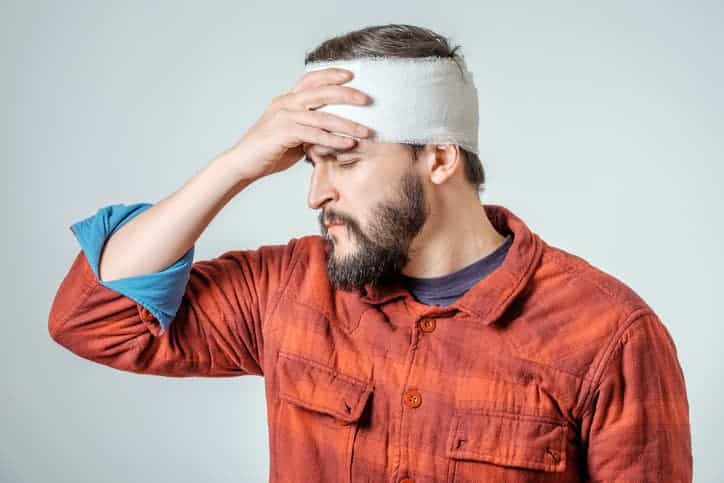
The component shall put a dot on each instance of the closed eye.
(345, 165)
(348, 164)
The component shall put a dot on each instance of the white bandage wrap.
(424, 100)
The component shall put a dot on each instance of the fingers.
(302, 124)
(310, 99)
(321, 96)
(330, 122)
(321, 87)
(317, 78)
(307, 134)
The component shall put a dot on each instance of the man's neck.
(451, 240)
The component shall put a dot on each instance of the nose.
(321, 189)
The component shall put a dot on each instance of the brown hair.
(397, 40)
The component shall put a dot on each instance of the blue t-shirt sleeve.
(161, 292)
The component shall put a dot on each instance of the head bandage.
(423, 100)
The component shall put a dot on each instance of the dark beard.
(378, 258)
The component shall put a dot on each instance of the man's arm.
(159, 292)
(161, 234)
(636, 426)
(216, 332)
(152, 311)
(126, 304)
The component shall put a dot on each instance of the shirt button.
(427, 325)
(412, 398)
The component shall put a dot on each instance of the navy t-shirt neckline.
(445, 289)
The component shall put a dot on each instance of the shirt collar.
(488, 299)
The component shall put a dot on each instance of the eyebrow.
(335, 152)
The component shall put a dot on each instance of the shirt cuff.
(160, 293)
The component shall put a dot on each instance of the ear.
(445, 159)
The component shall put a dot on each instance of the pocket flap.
(508, 439)
(321, 388)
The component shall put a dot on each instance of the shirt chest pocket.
(485, 445)
(317, 419)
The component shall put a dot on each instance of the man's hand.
(274, 143)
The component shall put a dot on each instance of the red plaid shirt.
(547, 370)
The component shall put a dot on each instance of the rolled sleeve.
(158, 294)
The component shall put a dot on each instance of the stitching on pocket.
(353, 396)
(322, 367)
(545, 455)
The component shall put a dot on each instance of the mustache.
(327, 218)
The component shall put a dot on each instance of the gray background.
(601, 126)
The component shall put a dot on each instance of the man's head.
(383, 193)
(373, 204)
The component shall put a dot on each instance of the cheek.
(364, 188)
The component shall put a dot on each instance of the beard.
(378, 256)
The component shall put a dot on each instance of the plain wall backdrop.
(601, 126)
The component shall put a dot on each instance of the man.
(425, 336)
